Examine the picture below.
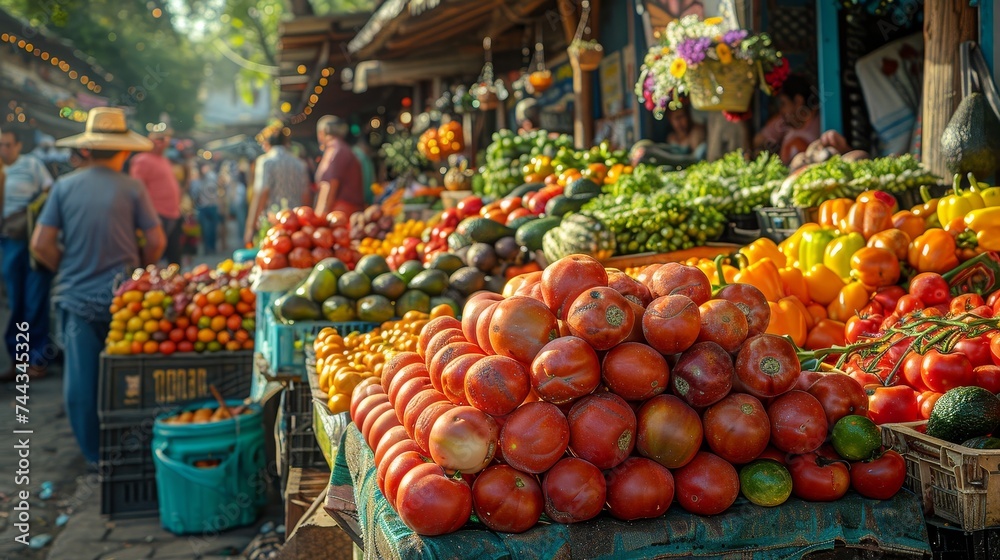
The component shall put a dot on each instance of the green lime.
(766, 482)
(856, 437)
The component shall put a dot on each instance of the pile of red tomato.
(584, 389)
(920, 379)
(300, 238)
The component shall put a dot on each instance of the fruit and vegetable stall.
(578, 351)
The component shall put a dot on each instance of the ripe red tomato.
(671, 323)
(395, 364)
(941, 372)
(724, 323)
(751, 302)
(520, 327)
(737, 428)
(601, 316)
(431, 329)
(507, 500)
(385, 423)
(534, 437)
(300, 257)
(382, 466)
(425, 422)
(892, 404)
(707, 485)
(767, 365)
(635, 372)
(474, 307)
(453, 377)
(817, 478)
(496, 385)
(636, 335)
(566, 369)
(988, 377)
(602, 429)
(888, 296)
(680, 279)
(307, 216)
(374, 416)
(463, 439)
(365, 406)
(965, 303)
(271, 259)
(320, 253)
(798, 422)
(840, 395)
(301, 239)
(416, 407)
(977, 350)
(431, 503)
(926, 401)
(911, 371)
(439, 341)
(323, 237)
(567, 278)
(773, 453)
(639, 489)
(287, 220)
(395, 435)
(881, 477)
(995, 349)
(930, 288)
(668, 431)
(574, 491)
(859, 326)
(483, 323)
(445, 356)
(629, 287)
(703, 374)
(398, 468)
(469, 206)
(908, 304)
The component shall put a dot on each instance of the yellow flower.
(664, 51)
(713, 21)
(725, 55)
(678, 67)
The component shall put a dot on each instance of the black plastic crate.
(778, 224)
(129, 496)
(140, 382)
(301, 447)
(950, 543)
(126, 470)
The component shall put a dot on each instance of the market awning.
(373, 73)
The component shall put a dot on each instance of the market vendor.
(797, 123)
(339, 175)
(686, 136)
(87, 232)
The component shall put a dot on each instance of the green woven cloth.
(744, 531)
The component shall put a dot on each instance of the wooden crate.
(709, 251)
(956, 483)
(304, 485)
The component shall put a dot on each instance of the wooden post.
(946, 26)
(583, 82)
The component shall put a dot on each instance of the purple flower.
(693, 50)
(734, 37)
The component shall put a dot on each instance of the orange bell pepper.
(792, 300)
(826, 334)
(794, 283)
(762, 248)
(823, 283)
(787, 320)
(850, 300)
(832, 211)
(817, 311)
(910, 223)
(710, 269)
(867, 218)
(764, 276)
(934, 251)
(875, 267)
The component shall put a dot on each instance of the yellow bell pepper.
(762, 248)
(794, 283)
(986, 223)
(711, 270)
(823, 283)
(790, 246)
(991, 196)
(787, 320)
(764, 276)
(850, 300)
(961, 203)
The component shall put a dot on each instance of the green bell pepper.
(837, 255)
(812, 246)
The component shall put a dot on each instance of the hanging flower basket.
(488, 99)
(540, 80)
(588, 54)
(713, 86)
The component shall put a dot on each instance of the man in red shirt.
(339, 173)
(157, 173)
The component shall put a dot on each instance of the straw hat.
(107, 130)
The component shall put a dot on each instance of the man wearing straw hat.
(87, 232)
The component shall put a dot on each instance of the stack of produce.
(370, 293)
(436, 144)
(811, 185)
(731, 184)
(509, 153)
(378, 220)
(581, 390)
(161, 311)
(398, 236)
(300, 239)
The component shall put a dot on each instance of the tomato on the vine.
(977, 350)
(926, 401)
(892, 404)
(909, 303)
(888, 296)
(965, 303)
(879, 478)
(995, 349)
(941, 372)
(863, 325)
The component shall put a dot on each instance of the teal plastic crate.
(285, 343)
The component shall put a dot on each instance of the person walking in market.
(280, 178)
(339, 175)
(27, 284)
(87, 232)
(156, 172)
(205, 193)
(235, 188)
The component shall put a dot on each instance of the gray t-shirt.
(26, 177)
(97, 212)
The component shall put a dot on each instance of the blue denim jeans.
(28, 294)
(208, 218)
(83, 339)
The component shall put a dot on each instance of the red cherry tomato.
(862, 325)
(995, 349)
(879, 478)
(941, 372)
(909, 303)
(977, 350)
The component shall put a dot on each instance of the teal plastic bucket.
(199, 500)
(244, 255)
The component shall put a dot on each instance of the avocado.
(483, 230)
(432, 282)
(321, 284)
(458, 240)
(354, 285)
(971, 141)
(391, 285)
(375, 309)
(339, 309)
(372, 265)
(963, 413)
(507, 248)
(582, 186)
(495, 283)
(334, 265)
(530, 235)
(413, 300)
(298, 308)
(409, 269)
(468, 280)
(518, 222)
(447, 262)
(982, 443)
(482, 256)
(562, 205)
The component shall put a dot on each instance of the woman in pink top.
(797, 123)
(157, 174)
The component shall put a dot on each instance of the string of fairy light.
(324, 80)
